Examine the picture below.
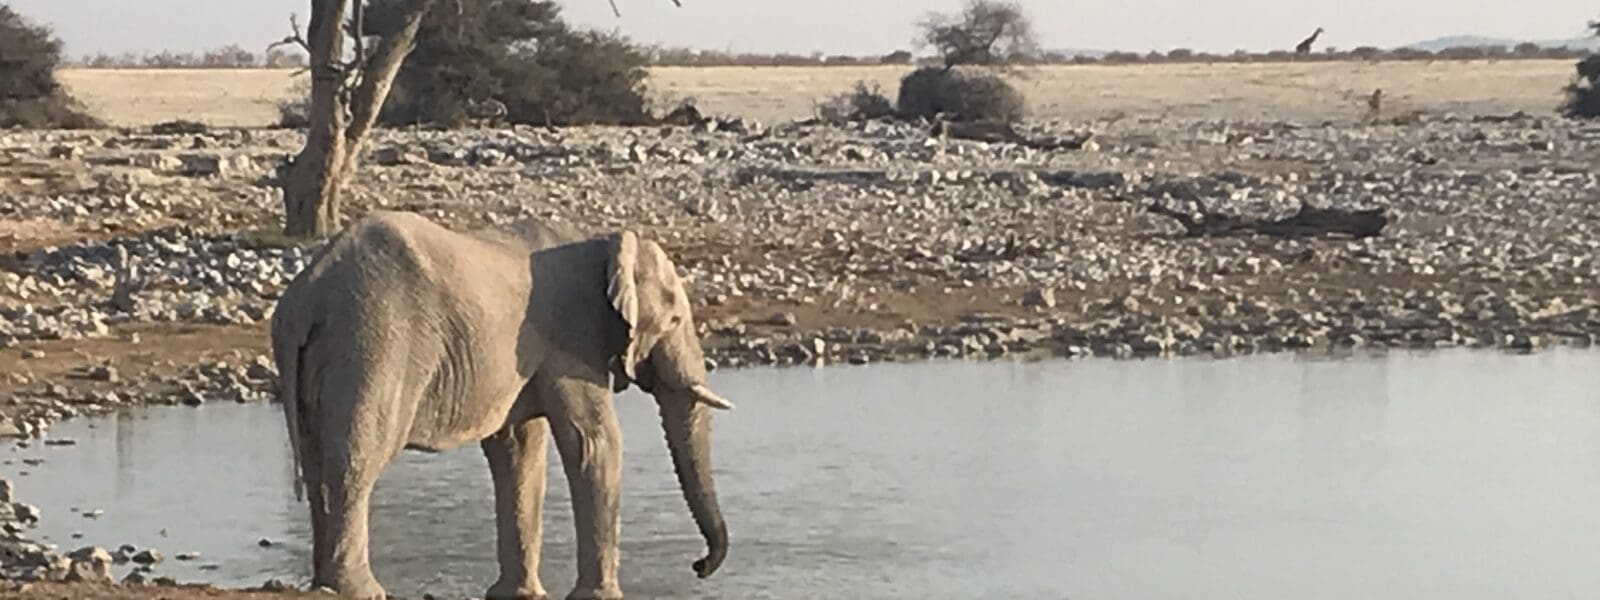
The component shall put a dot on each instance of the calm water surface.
(1446, 475)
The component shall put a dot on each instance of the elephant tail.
(290, 335)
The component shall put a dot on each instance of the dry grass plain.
(1308, 91)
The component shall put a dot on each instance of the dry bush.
(864, 102)
(1583, 94)
(294, 111)
(56, 111)
(959, 95)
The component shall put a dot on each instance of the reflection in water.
(1459, 475)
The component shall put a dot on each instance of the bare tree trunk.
(379, 79)
(340, 117)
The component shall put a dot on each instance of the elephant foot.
(357, 588)
(511, 591)
(603, 593)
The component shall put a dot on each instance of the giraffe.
(1305, 46)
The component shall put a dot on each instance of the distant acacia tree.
(898, 57)
(985, 32)
(228, 57)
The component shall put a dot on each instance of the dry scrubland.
(245, 98)
(138, 268)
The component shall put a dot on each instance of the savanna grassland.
(1322, 90)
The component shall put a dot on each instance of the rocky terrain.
(139, 266)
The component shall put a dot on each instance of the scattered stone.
(178, 127)
(201, 165)
(1040, 298)
(276, 585)
(26, 513)
(869, 223)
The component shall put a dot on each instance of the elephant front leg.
(517, 462)
(590, 442)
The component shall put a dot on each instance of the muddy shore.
(139, 268)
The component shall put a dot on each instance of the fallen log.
(1001, 133)
(1308, 222)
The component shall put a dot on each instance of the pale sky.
(871, 26)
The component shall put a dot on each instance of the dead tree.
(345, 99)
(1308, 222)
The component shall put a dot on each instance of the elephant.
(403, 334)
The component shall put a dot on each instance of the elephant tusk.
(704, 394)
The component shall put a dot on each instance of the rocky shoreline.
(138, 268)
(25, 560)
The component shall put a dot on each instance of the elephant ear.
(623, 290)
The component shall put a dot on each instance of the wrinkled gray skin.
(403, 334)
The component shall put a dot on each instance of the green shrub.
(960, 95)
(29, 94)
(520, 53)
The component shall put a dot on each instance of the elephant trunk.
(688, 428)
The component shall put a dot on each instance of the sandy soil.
(1279, 91)
(220, 97)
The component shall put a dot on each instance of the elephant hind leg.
(517, 463)
(357, 431)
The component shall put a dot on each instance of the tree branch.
(378, 74)
(296, 37)
(618, 12)
(358, 31)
